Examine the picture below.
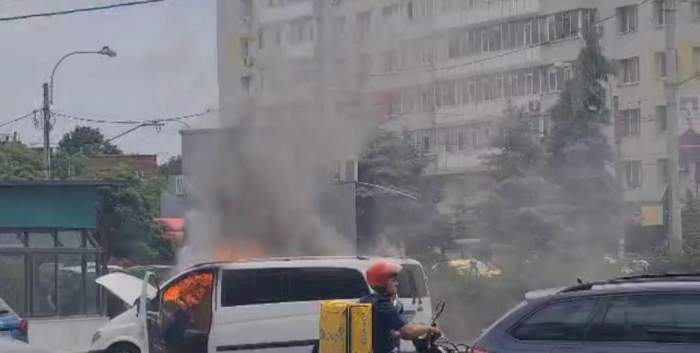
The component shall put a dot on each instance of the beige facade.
(443, 71)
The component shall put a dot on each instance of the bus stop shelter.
(50, 257)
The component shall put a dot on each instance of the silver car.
(645, 314)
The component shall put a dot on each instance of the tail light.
(24, 327)
(478, 350)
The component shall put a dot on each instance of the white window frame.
(633, 174)
(629, 70)
(660, 12)
(660, 64)
(632, 119)
(556, 87)
(628, 18)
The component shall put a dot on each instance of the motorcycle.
(438, 344)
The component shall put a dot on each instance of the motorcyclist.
(387, 321)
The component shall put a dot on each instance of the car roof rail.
(658, 277)
(665, 277)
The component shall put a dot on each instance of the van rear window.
(279, 285)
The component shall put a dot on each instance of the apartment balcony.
(483, 13)
(286, 13)
(493, 110)
(304, 50)
(492, 62)
(458, 162)
(488, 13)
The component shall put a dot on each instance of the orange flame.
(190, 291)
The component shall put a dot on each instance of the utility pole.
(675, 235)
(47, 130)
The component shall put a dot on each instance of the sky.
(165, 67)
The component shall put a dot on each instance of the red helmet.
(379, 274)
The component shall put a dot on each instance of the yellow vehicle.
(475, 267)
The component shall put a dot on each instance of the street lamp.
(106, 51)
(48, 101)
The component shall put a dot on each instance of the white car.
(267, 305)
(8, 345)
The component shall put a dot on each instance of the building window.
(632, 122)
(364, 24)
(390, 60)
(476, 141)
(301, 31)
(427, 54)
(662, 169)
(447, 95)
(696, 10)
(246, 84)
(426, 143)
(627, 18)
(661, 118)
(364, 68)
(660, 12)
(553, 80)
(410, 13)
(633, 174)
(339, 26)
(461, 143)
(390, 12)
(660, 63)
(629, 70)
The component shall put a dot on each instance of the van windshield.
(412, 282)
(278, 285)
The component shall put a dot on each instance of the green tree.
(520, 147)
(579, 152)
(389, 160)
(173, 166)
(86, 140)
(127, 211)
(581, 113)
(127, 218)
(18, 162)
(522, 209)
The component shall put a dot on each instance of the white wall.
(73, 335)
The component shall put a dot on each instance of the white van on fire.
(266, 305)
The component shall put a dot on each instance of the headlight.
(96, 336)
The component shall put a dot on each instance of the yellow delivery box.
(345, 327)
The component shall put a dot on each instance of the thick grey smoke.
(263, 188)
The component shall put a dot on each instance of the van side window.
(412, 282)
(261, 286)
(562, 321)
(667, 318)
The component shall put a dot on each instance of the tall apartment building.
(286, 60)
(443, 72)
(459, 64)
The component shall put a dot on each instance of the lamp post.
(48, 101)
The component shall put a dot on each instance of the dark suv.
(646, 314)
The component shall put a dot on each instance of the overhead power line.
(490, 58)
(72, 11)
(25, 116)
(133, 122)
